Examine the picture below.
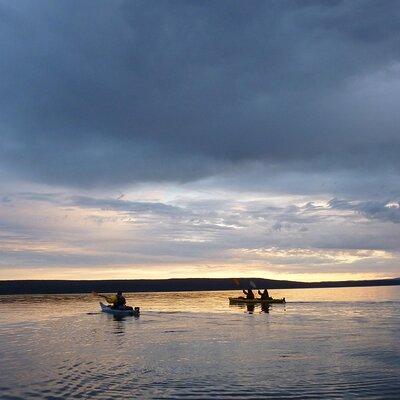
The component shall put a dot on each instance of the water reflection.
(119, 325)
(191, 344)
(59, 306)
(265, 308)
(250, 308)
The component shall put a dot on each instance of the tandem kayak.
(135, 312)
(243, 300)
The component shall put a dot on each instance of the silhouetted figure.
(249, 294)
(119, 302)
(264, 295)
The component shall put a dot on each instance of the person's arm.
(109, 299)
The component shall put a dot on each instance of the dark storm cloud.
(105, 204)
(388, 211)
(119, 92)
(124, 205)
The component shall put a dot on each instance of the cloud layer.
(122, 92)
(189, 137)
(198, 236)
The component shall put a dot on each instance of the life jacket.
(119, 301)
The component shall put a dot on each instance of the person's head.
(119, 293)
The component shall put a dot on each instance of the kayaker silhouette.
(119, 302)
(264, 295)
(249, 294)
(117, 305)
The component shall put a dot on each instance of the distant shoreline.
(170, 285)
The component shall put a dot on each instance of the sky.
(158, 139)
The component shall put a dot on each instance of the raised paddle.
(109, 299)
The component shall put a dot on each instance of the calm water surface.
(325, 343)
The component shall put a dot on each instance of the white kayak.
(129, 311)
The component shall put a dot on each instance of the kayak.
(243, 300)
(129, 311)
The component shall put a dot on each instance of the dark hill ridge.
(169, 285)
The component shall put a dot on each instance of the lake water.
(324, 343)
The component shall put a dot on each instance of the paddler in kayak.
(264, 295)
(119, 302)
(249, 294)
(116, 301)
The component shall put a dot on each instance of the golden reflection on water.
(217, 301)
(325, 343)
(39, 307)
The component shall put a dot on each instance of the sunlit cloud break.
(55, 233)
